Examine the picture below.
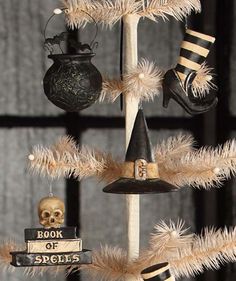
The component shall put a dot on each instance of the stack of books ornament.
(51, 245)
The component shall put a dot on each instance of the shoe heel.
(166, 97)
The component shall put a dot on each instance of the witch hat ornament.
(158, 272)
(177, 83)
(140, 171)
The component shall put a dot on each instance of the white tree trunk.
(131, 109)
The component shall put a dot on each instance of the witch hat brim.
(133, 186)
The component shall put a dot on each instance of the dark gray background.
(27, 118)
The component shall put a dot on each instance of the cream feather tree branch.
(206, 167)
(178, 161)
(166, 242)
(5, 256)
(64, 159)
(143, 82)
(188, 254)
(111, 90)
(108, 12)
(168, 237)
(173, 148)
(164, 8)
(208, 251)
(112, 168)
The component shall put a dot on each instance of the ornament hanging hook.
(93, 43)
(50, 194)
(56, 11)
(140, 104)
(48, 42)
(186, 23)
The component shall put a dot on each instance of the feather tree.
(108, 12)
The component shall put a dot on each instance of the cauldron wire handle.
(92, 43)
(96, 32)
(49, 19)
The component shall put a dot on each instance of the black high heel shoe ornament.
(177, 83)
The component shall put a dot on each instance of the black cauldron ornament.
(72, 83)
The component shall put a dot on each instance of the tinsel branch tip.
(203, 83)
(57, 11)
(142, 82)
(209, 250)
(31, 157)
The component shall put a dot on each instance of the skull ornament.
(51, 212)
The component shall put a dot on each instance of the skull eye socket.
(45, 214)
(57, 213)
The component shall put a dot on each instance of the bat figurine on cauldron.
(51, 245)
(72, 83)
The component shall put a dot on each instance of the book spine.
(22, 259)
(48, 234)
(54, 246)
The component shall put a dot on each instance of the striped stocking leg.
(189, 76)
(194, 50)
